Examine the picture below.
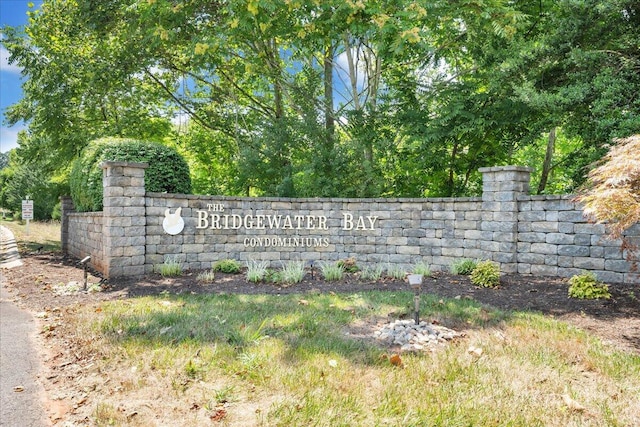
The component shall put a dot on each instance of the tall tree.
(354, 98)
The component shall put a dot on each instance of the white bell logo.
(173, 222)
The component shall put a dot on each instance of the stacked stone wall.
(391, 231)
(85, 237)
(541, 235)
(554, 239)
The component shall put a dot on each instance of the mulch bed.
(616, 321)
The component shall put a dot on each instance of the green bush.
(587, 286)
(227, 266)
(463, 266)
(486, 274)
(167, 171)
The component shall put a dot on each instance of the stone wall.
(85, 237)
(554, 239)
(544, 235)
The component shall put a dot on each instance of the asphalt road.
(20, 393)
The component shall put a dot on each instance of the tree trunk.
(546, 165)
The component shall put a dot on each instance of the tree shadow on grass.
(305, 324)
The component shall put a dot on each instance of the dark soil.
(616, 320)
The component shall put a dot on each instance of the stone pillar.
(124, 218)
(67, 207)
(501, 187)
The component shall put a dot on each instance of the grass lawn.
(45, 235)
(280, 360)
(301, 360)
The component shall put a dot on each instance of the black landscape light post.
(84, 263)
(415, 281)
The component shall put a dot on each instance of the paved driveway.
(20, 393)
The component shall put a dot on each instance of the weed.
(463, 266)
(371, 272)
(332, 271)
(227, 266)
(191, 370)
(395, 271)
(206, 276)
(422, 268)
(486, 274)
(107, 415)
(170, 268)
(273, 276)
(224, 395)
(349, 265)
(587, 286)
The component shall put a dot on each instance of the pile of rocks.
(412, 337)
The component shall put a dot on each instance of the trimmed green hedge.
(167, 171)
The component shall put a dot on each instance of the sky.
(12, 13)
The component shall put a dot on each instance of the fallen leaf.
(218, 415)
(395, 360)
(572, 404)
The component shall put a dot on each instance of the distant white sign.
(27, 209)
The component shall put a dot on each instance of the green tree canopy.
(324, 98)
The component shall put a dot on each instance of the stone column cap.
(110, 163)
(510, 168)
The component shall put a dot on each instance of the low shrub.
(463, 266)
(349, 265)
(486, 274)
(206, 277)
(293, 272)
(167, 171)
(422, 268)
(227, 266)
(331, 271)
(170, 268)
(256, 270)
(371, 273)
(587, 286)
(395, 272)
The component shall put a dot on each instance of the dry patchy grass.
(41, 235)
(267, 360)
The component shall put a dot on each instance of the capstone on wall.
(542, 235)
